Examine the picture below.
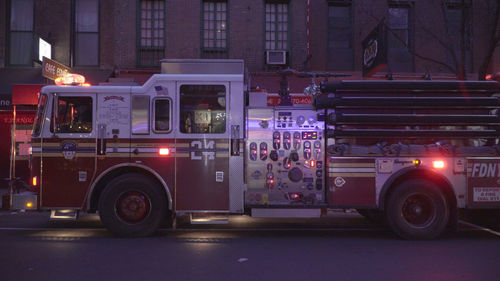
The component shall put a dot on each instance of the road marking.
(201, 229)
(41, 228)
(480, 227)
(275, 229)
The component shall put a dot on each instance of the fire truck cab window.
(72, 115)
(140, 115)
(162, 115)
(202, 109)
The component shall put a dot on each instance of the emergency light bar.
(71, 79)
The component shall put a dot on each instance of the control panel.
(285, 157)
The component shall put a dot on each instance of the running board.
(285, 213)
(201, 218)
(64, 215)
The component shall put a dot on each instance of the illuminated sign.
(44, 49)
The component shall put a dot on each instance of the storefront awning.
(25, 94)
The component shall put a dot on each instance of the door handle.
(235, 141)
(101, 133)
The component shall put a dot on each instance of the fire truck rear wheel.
(417, 209)
(132, 205)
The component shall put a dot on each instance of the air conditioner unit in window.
(276, 57)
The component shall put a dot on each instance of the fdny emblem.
(339, 181)
(68, 150)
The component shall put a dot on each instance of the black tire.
(375, 216)
(132, 205)
(417, 209)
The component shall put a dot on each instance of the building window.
(86, 45)
(454, 23)
(214, 29)
(340, 50)
(151, 37)
(400, 39)
(21, 32)
(276, 26)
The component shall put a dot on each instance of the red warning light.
(164, 151)
(438, 164)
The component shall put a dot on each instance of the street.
(344, 246)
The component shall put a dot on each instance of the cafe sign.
(51, 69)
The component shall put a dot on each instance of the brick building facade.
(130, 36)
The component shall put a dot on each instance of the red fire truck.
(192, 140)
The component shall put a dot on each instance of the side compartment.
(351, 182)
(483, 183)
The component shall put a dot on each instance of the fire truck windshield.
(39, 115)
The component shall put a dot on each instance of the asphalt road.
(344, 246)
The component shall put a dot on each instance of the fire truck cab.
(188, 141)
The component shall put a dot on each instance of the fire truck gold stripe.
(117, 144)
(187, 155)
(58, 144)
(116, 155)
(86, 144)
(352, 165)
(151, 145)
(85, 154)
(146, 154)
(51, 144)
(59, 154)
(351, 170)
(352, 175)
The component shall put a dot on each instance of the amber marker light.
(438, 164)
(164, 151)
(29, 204)
(34, 181)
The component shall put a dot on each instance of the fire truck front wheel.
(417, 209)
(132, 205)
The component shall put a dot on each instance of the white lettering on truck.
(482, 170)
(202, 146)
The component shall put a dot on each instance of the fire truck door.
(202, 147)
(69, 150)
